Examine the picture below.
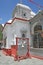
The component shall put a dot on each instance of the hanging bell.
(22, 45)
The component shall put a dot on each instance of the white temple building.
(18, 28)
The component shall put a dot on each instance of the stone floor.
(7, 60)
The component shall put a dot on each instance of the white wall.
(21, 25)
(7, 35)
(16, 27)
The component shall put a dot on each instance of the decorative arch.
(36, 26)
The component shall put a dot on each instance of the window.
(24, 14)
(23, 32)
(5, 42)
(23, 35)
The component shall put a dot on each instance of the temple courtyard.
(8, 60)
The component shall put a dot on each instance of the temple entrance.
(37, 37)
(22, 48)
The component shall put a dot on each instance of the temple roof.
(24, 6)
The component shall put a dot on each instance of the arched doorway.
(37, 39)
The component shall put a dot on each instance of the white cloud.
(3, 25)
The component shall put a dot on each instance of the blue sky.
(7, 6)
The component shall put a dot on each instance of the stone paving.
(7, 60)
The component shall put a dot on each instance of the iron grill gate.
(22, 47)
